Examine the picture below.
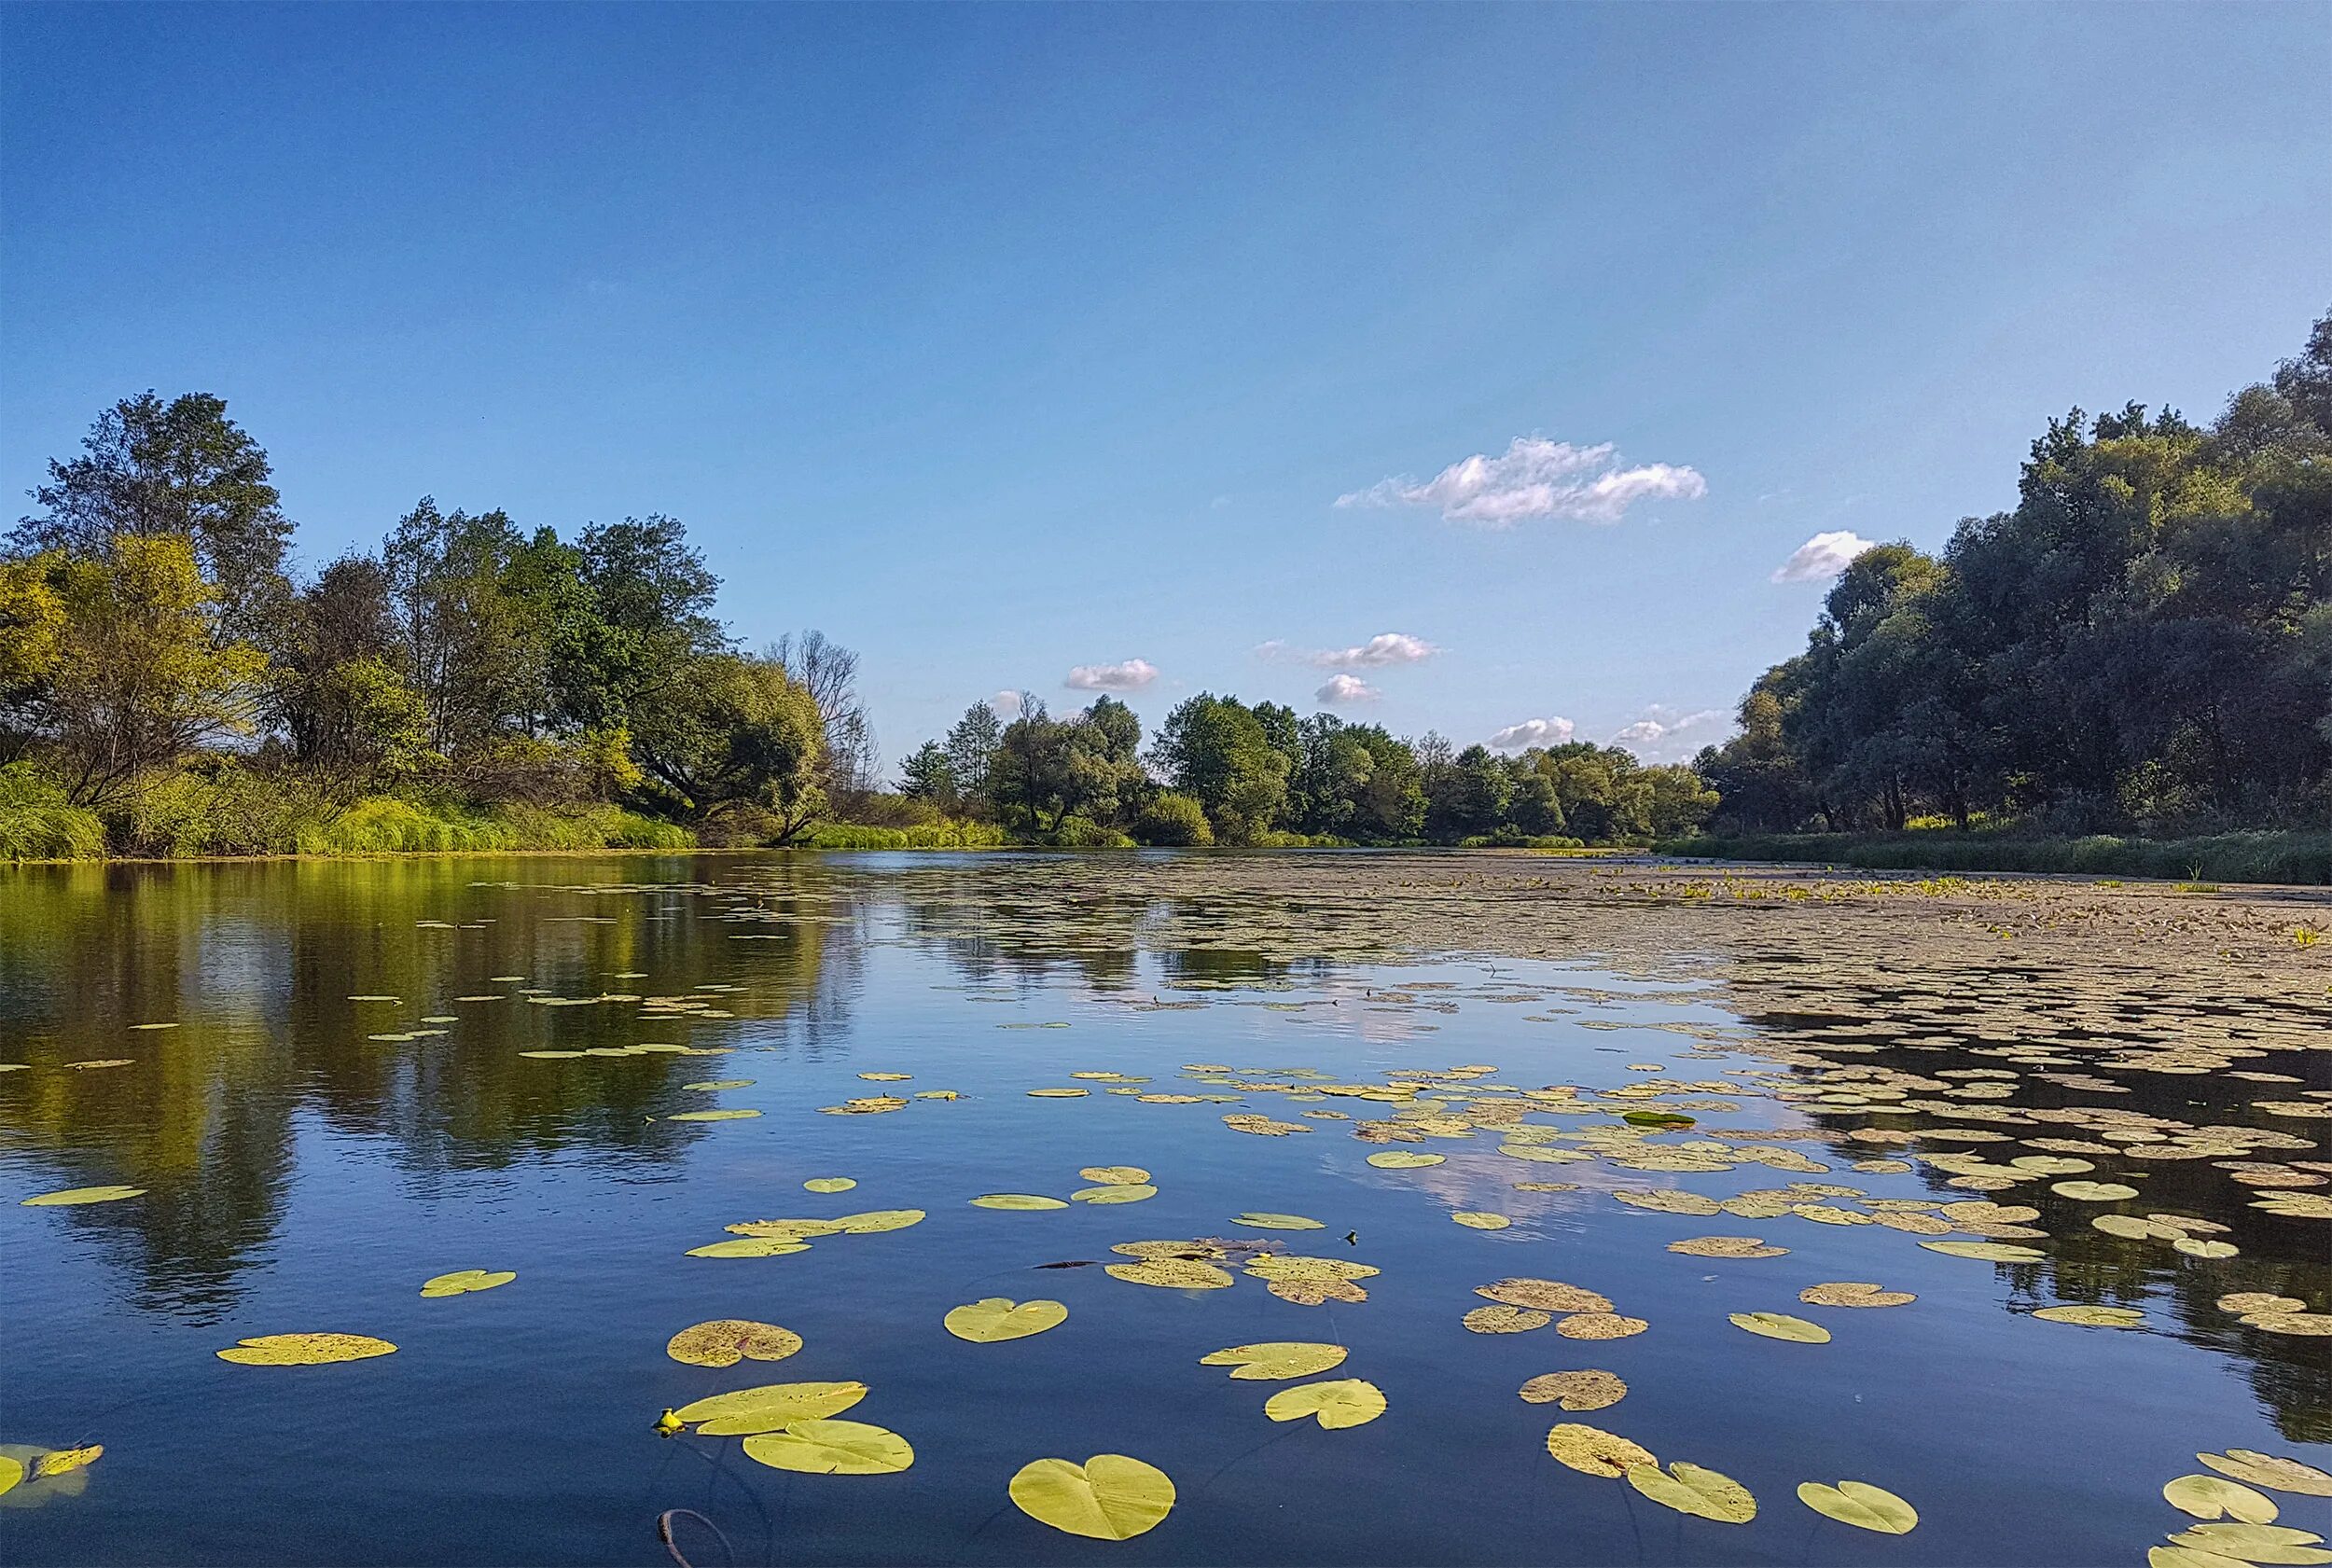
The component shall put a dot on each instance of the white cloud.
(1666, 734)
(1534, 733)
(1821, 557)
(1535, 478)
(1131, 675)
(1346, 688)
(1006, 704)
(1384, 649)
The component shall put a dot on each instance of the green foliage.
(1047, 771)
(1168, 819)
(39, 823)
(2292, 857)
(926, 835)
(2143, 641)
(1219, 751)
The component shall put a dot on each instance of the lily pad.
(1017, 1201)
(1114, 1192)
(1861, 1505)
(1691, 1488)
(1404, 1159)
(75, 1195)
(828, 1184)
(877, 1220)
(750, 1246)
(464, 1280)
(1476, 1220)
(2256, 1543)
(1505, 1320)
(996, 1318)
(2277, 1473)
(1550, 1295)
(744, 1411)
(1854, 1294)
(1116, 1176)
(1592, 1452)
(1989, 1252)
(2210, 1497)
(1600, 1326)
(1171, 1273)
(1334, 1404)
(1276, 1359)
(726, 1342)
(831, 1448)
(1781, 1326)
(1110, 1497)
(2093, 1316)
(1586, 1390)
(1277, 1222)
(1726, 1246)
(304, 1350)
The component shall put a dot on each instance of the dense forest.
(169, 685)
(2143, 645)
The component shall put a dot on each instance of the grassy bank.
(2223, 857)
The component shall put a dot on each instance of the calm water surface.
(303, 1172)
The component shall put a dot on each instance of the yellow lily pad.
(2275, 1473)
(1110, 1497)
(1171, 1273)
(828, 1184)
(75, 1195)
(2255, 1543)
(1404, 1159)
(1267, 1221)
(1861, 1505)
(1476, 1220)
(831, 1448)
(11, 1472)
(1276, 1359)
(1692, 1488)
(1725, 1246)
(1781, 1326)
(1502, 1319)
(1600, 1326)
(304, 1350)
(1337, 1403)
(1116, 1176)
(2093, 1317)
(1551, 1295)
(1588, 1390)
(1989, 1252)
(733, 1114)
(996, 1318)
(1017, 1201)
(726, 1342)
(463, 1280)
(744, 1411)
(875, 1221)
(1593, 1451)
(750, 1246)
(63, 1462)
(1854, 1294)
(2210, 1497)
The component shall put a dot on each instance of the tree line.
(163, 673)
(1219, 771)
(2142, 643)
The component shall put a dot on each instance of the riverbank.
(2280, 857)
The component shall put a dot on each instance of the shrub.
(1172, 820)
(924, 836)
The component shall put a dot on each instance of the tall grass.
(38, 824)
(2223, 857)
(922, 836)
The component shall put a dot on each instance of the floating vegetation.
(465, 1280)
(305, 1350)
(1110, 1497)
(1861, 1505)
(1338, 1403)
(1575, 1390)
(726, 1342)
(996, 1318)
(76, 1195)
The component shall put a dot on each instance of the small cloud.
(1666, 734)
(1131, 675)
(1535, 478)
(1384, 649)
(1534, 733)
(1219, 502)
(1346, 688)
(1006, 704)
(1821, 557)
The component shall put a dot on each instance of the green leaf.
(1109, 1497)
(1989, 1252)
(828, 1184)
(2093, 1317)
(987, 1321)
(750, 1246)
(726, 1342)
(831, 1448)
(1338, 1403)
(11, 1472)
(1027, 1200)
(876, 1220)
(1114, 1192)
(2275, 1473)
(304, 1350)
(1689, 1489)
(1404, 1159)
(1276, 1359)
(2256, 1543)
(1277, 1222)
(1861, 1505)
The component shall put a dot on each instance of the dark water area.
(339, 1106)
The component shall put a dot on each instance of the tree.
(829, 673)
(335, 688)
(1168, 820)
(128, 668)
(181, 469)
(738, 733)
(644, 614)
(927, 774)
(472, 603)
(971, 751)
(1216, 750)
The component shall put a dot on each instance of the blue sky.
(1001, 343)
